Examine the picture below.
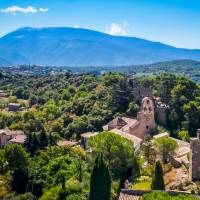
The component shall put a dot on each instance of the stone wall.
(195, 157)
(161, 115)
(142, 192)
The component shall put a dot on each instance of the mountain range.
(64, 46)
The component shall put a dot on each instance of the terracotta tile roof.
(18, 139)
(63, 142)
(118, 121)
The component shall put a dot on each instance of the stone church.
(135, 129)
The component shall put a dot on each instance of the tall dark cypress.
(34, 144)
(43, 139)
(100, 181)
(158, 180)
(29, 140)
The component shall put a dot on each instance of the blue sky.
(175, 22)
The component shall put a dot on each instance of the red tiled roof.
(66, 143)
(18, 139)
(118, 121)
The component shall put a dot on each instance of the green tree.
(78, 126)
(53, 138)
(166, 147)
(166, 196)
(32, 143)
(158, 180)
(192, 110)
(100, 181)
(182, 93)
(117, 151)
(20, 180)
(16, 156)
(148, 150)
(61, 178)
(43, 139)
(36, 143)
(184, 135)
(120, 96)
(2, 160)
(133, 109)
(164, 84)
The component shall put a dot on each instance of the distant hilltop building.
(8, 136)
(135, 129)
(14, 107)
(195, 157)
(3, 94)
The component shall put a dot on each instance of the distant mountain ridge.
(64, 46)
(4, 62)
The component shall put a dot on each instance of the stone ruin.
(195, 157)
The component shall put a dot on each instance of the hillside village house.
(14, 107)
(7, 136)
(2, 94)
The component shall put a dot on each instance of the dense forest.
(67, 105)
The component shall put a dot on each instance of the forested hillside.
(67, 105)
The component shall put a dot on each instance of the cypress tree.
(43, 139)
(28, 141)
(20, 180)
(100, 181)
(32, 143)
(158, 180)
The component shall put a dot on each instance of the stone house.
(14, 107)
(7, 136)
(3, 94)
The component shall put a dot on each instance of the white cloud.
(116, 29)
(125, 24)
(76, 26)
(16, 9)
(44, 9)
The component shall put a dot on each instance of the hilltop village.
(56, 128)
